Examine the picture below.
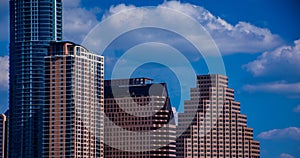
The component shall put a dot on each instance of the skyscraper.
(139, 119)
(215, 127)
(74, 112)
(33, 24)
(3, 136)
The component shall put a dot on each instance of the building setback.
(139, 119)
(33, 24)
(73, 116)
(212, 125)
(3, 136)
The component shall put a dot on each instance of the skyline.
(251, 73)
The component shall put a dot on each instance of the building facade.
(3, 136)
(139, 119)
(74, 109)
(212, 124)
(33, 24)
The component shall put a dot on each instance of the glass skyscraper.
(33, 24)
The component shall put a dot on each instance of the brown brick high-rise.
(3, 136)
(218, 129)
(74, 113)
(139, 119)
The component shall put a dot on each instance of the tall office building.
(139, 119)
(3, 136)
(74, 113)
(7, 133)
(33, 24)
(212, 125)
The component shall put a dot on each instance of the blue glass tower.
(33, 24)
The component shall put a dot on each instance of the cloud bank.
(283, 61)
(275, 87)
(285, 155)
(242, 37)
(291, 133)
(77, 21)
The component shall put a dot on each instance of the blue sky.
(258, 41)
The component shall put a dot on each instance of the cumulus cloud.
(239, 38)
(283, 61)
(77, 21)
(276, 87)
(297, 109)
(285, 155)
(291, 133)
(3, 72)
(242, 37)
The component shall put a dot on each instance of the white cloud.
(297, 109)
(291, 133)
(239, 38)
(116, 9)
(77, 21)
(3, 72)
(242, 37)
(283, 61)
(276, 87)
(285, 155)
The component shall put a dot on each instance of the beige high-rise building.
(139, 119)
(3, 136)
(212, 125)
(73, 124)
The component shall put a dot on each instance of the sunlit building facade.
(73, 116)
(3, 136)
(139, 119)
(212, 125)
